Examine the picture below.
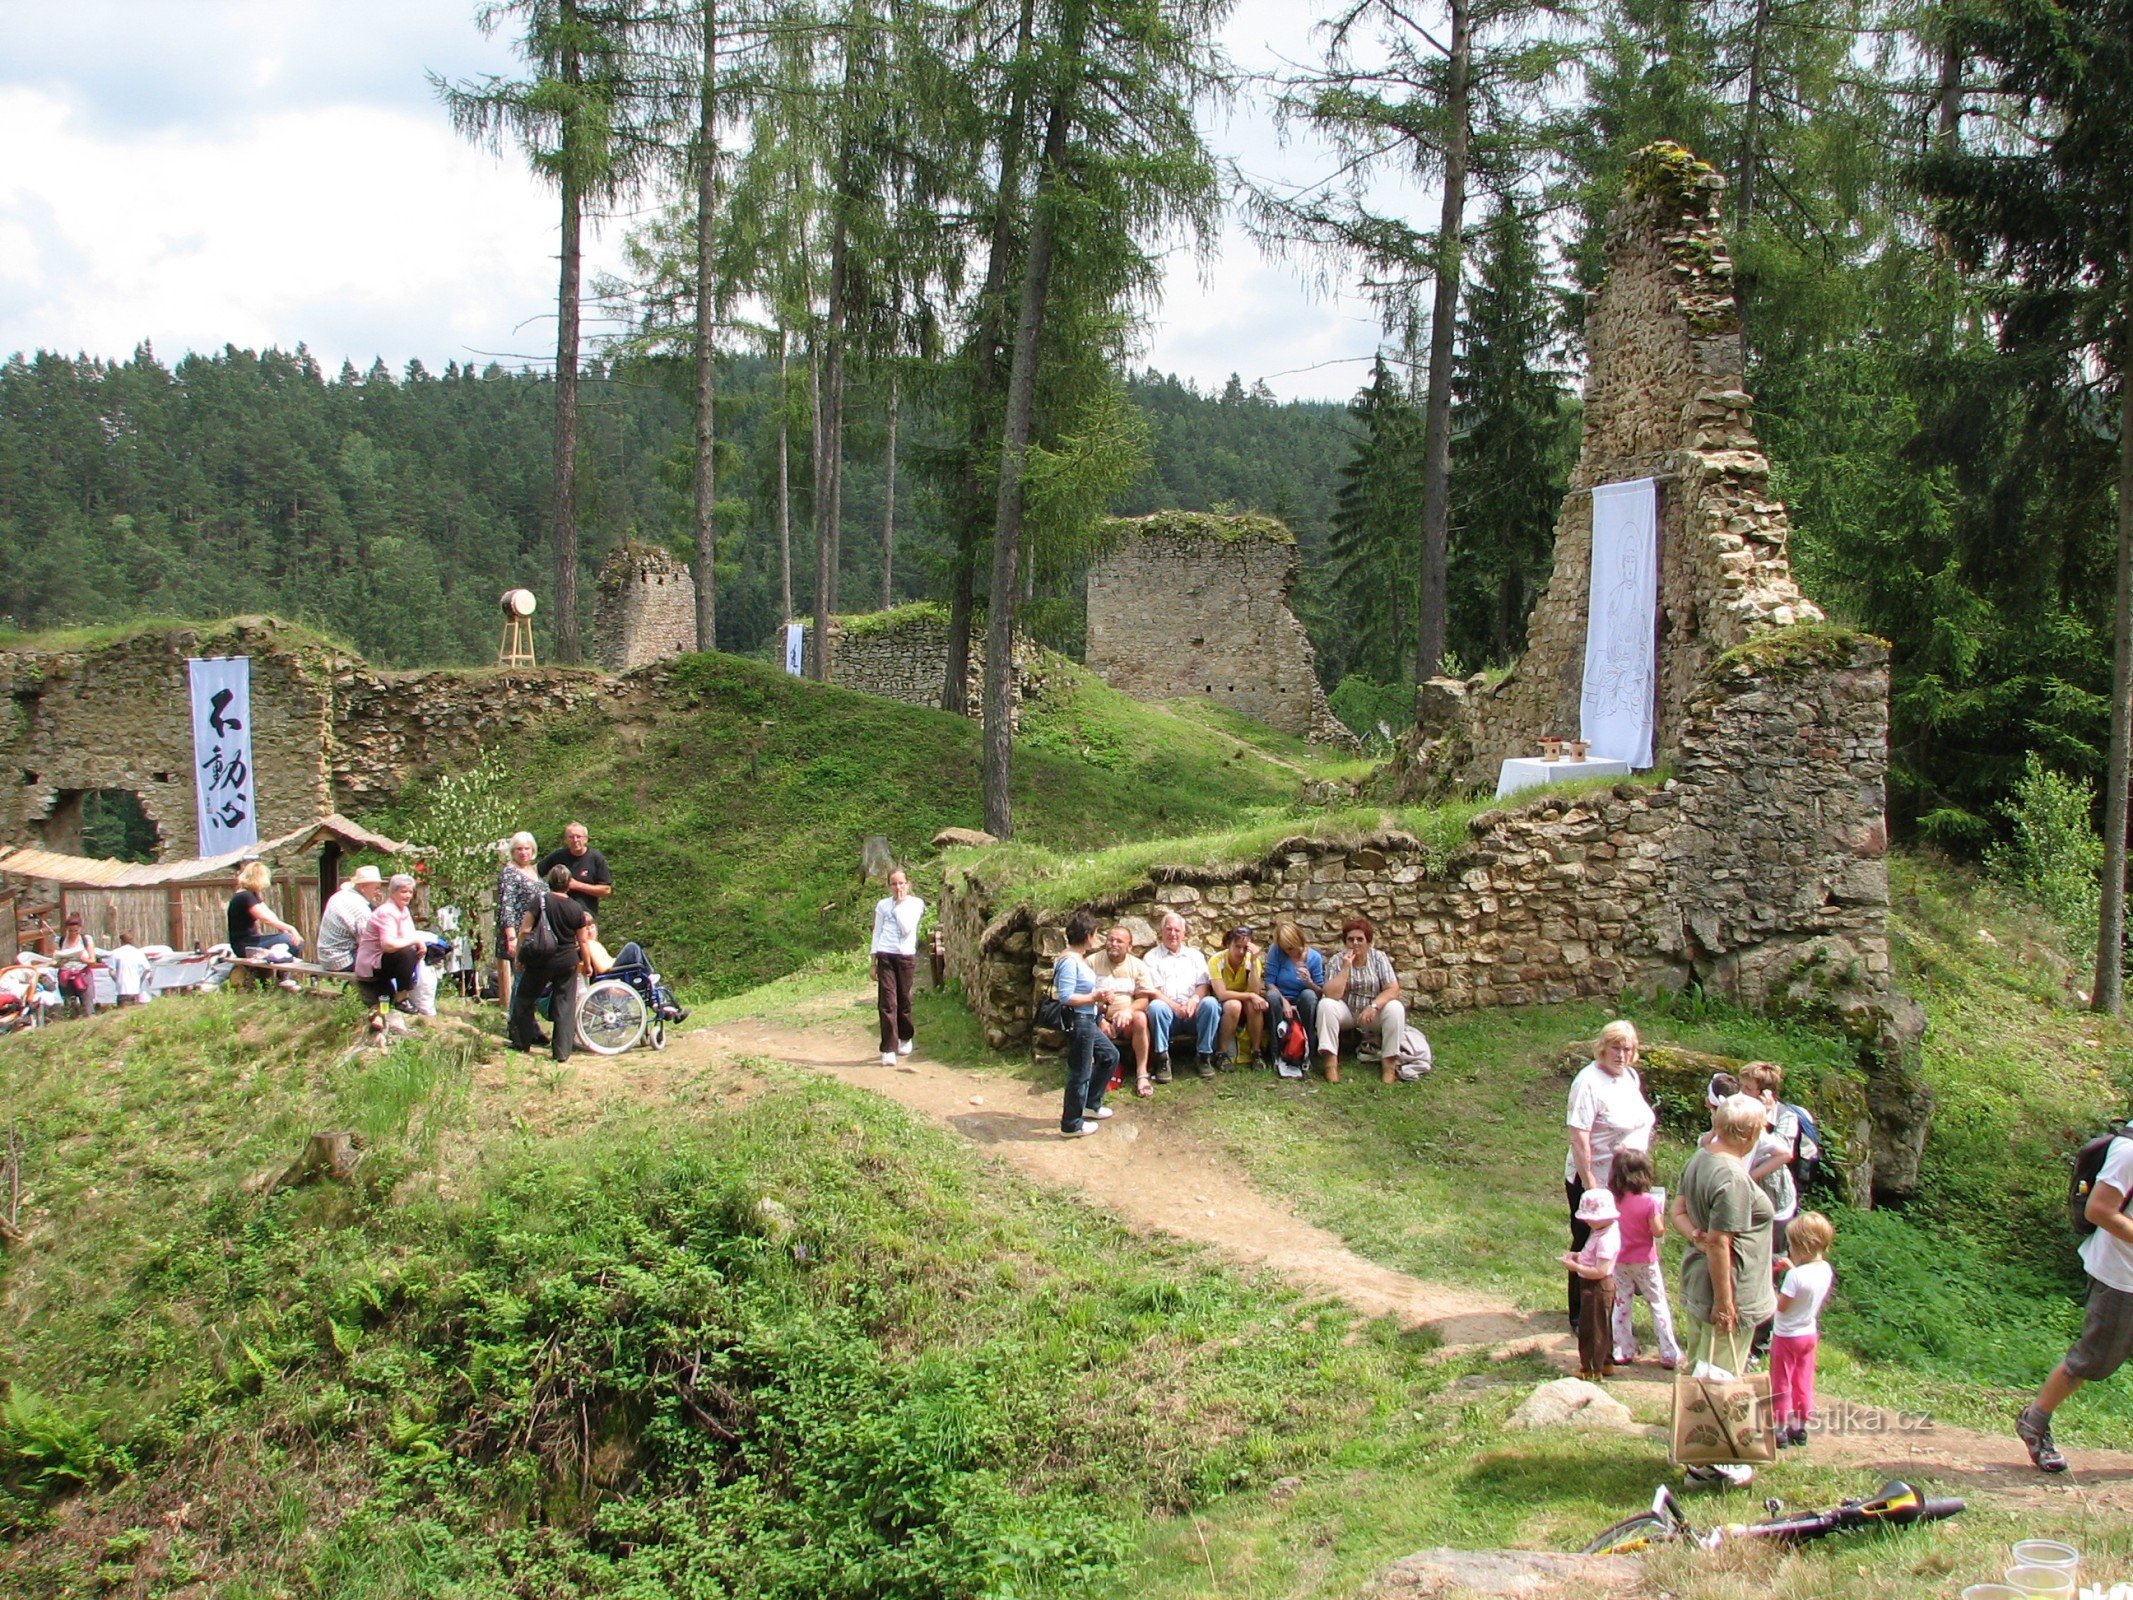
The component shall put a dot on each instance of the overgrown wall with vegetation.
(1757, 871)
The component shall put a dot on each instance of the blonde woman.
(1608, 1112)
(255, 931)
(518, 888)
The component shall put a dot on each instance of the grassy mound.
(734, 812)
(766, 1337)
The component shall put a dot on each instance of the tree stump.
(332, 1155)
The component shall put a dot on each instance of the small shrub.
(1370, 709)
(2052, 854)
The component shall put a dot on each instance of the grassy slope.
(734, 821)
(502, 1361)
(1959, 1306)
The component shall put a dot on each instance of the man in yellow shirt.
(1240, 985)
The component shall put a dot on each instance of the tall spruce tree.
(581, 119)
(2048, 212)
(1513, 442)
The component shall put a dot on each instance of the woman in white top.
(1608, 1112)
(78, 960)
(895, 952)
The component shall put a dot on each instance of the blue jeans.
(1206, 1019)
(1090, 1058)
(1305, 1005)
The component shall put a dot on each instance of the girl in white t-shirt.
(1801, 1291)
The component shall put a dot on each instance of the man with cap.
(340, 926)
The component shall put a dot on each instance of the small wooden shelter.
(185, 903)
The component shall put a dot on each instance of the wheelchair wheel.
(611, 1017)
(655, 1032)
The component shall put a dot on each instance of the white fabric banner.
(222, 753)
(795, 648)
(1621, 623)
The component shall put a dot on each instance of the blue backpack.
(1806, 1150)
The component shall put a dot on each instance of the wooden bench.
(258, 971)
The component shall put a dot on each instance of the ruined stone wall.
(1757, 872)
(1664, 398)
(389, 727)
(644, 608)
(902, 654)
(1194, 606)
(120, 717)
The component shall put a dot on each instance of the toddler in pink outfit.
(1642, 1213)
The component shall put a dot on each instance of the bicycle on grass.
(1665, 1523)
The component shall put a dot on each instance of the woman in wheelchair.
(632, 966)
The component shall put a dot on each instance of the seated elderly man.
(1124, 991)
(1184, 991)
(340, 925)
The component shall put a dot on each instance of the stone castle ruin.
(902, 654)
(1756, 870)
(644, 608)
(1193, 605)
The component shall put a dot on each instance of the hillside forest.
(891, 267)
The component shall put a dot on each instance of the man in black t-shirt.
(590, 881)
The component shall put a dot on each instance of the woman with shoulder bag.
(552, 938)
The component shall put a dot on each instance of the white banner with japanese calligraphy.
(222, 753)
(1622, 623)
(795, 648)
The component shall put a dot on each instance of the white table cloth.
(1531, 772)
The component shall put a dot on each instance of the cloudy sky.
(275, 171)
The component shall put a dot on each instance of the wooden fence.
(181, 915)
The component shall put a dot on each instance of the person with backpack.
(553, 936)
(2105, 1169)
(1295, 974)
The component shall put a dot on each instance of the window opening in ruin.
(110, 824)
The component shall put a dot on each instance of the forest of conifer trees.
(893, 263)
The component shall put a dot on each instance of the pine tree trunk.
(784, 494)
(1751, 122)
(888, 503)
(706, 573)
(998, 774)
(1443, 331)
(818, 641)
(2109, 993)
(988, 346)
(565, 553)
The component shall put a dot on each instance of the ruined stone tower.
(1192, 605)
(644, 609)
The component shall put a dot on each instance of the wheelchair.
(625, 1005)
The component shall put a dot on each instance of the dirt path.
(1148, 1169)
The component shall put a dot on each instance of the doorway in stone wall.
(108, 823)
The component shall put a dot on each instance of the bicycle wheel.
(610, 1017)
(1632, 1534)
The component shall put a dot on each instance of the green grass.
(1958, 1306)
(98, 636)
(734, 812)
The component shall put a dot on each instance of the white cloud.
(359, 230)
(279, 171)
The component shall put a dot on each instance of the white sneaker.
(888, 1058)
(903, 1048)
(1087, 1127)
(1101, 1113)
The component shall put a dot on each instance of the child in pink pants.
(1802, 1290)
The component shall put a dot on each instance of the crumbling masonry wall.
(1664, 398)
(120, 717)
(902, 654)
(644, 608)
(1190, 605)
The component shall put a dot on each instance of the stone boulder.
(1528, 1574)
(963, 836)
(1573, 1403)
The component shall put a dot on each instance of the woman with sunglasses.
(1363, 993)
